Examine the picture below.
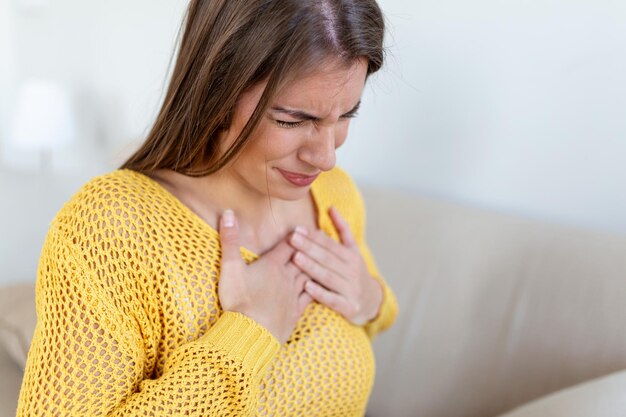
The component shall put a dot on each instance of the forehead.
(328, 85)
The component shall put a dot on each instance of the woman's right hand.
(270, 290)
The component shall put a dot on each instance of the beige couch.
(495, 312)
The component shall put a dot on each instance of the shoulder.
(337, 185)
(337, 188)
(117, 185)
(107, 201)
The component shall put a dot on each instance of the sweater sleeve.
(389, 306)
(88, 358)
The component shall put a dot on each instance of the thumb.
(229, 237)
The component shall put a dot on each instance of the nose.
(319, 150)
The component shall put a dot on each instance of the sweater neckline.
(203, 224)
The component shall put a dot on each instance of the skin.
(306, 123)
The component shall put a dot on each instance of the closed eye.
(350, 115)
(288, 125)
(307, 117)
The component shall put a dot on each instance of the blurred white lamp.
(44, 119)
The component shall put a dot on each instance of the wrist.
(266, 323)
(379, 302)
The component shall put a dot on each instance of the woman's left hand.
(339, 275)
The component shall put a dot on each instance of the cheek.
(286, 141)
(275, 144)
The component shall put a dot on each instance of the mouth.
(300, 180)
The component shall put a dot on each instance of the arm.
(88, 356)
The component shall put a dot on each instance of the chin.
(288, 192)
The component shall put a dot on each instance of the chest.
(326, 367)
(328, 362)
(305, 215)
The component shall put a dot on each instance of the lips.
(300, 180)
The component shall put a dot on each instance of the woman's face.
(297, 137)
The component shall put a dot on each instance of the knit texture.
(129, 322)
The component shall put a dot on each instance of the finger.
(303, 301)
(336, 248)
(301, 279)
(229, 237)
(331, 299)
(323, 275)
(347, 238)
(319, 247)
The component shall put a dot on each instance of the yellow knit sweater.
(129, 322)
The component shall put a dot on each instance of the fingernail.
(296, 239)
(228, 218)
(299, 257)
(302, 230)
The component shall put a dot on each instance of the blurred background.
(514, 106)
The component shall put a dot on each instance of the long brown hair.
(230, 45)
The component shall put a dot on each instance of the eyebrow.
(299, 114)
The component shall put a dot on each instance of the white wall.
(516, 105)
(8, 64)
(112, 55)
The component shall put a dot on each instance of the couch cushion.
(10, 383)
(494, 310)
(602, 397)
(17, 320)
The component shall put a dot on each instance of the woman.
(223, 271)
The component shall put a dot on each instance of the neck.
(254, 210)
(260, 217)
